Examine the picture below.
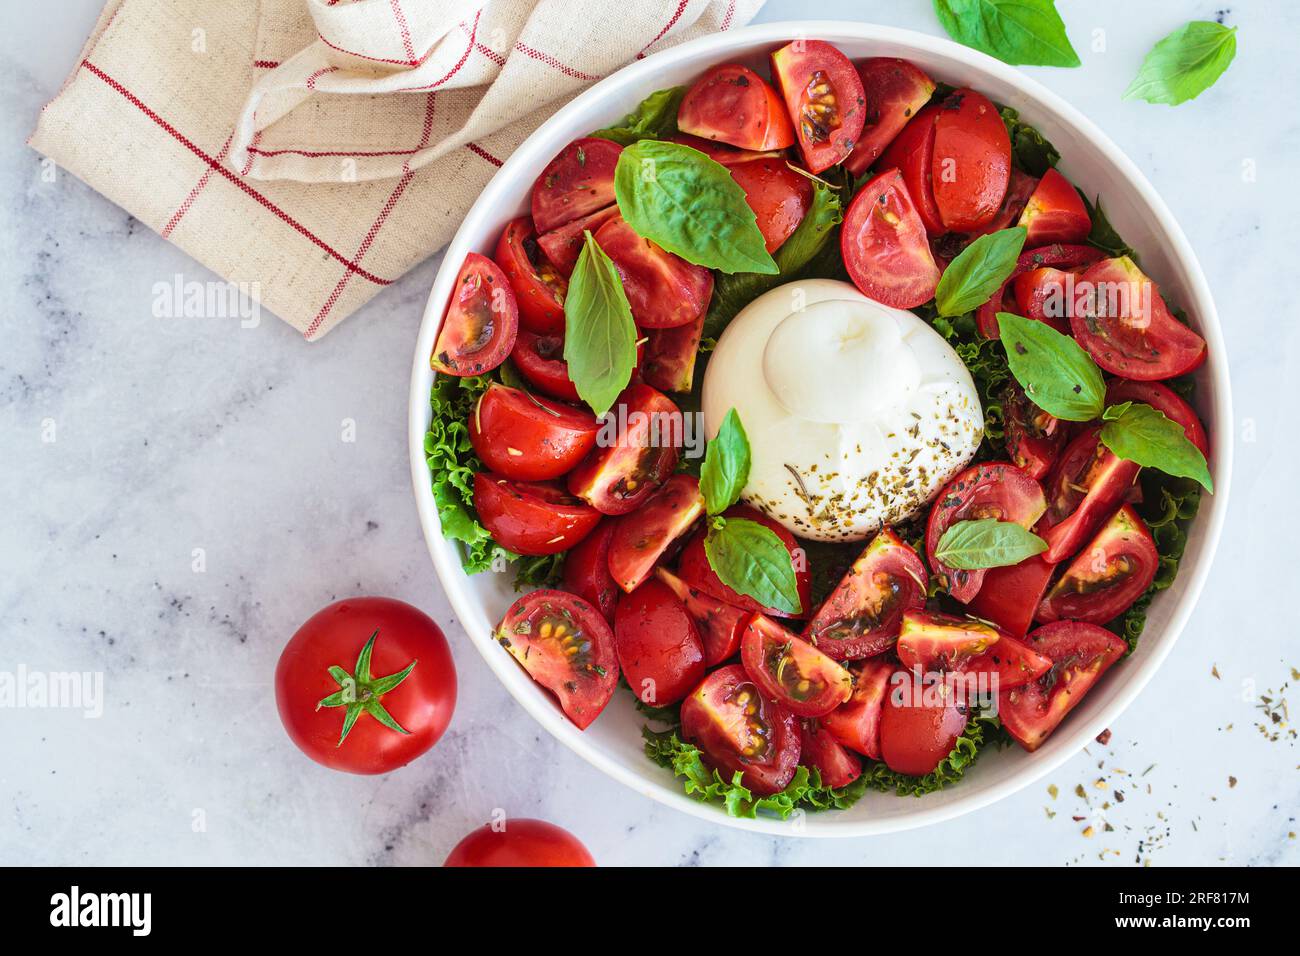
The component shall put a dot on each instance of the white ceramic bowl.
(1090, 159)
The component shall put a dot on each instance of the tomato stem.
(359, 692)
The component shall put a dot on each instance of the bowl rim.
(444, 554)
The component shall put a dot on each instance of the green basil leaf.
(599, 334)
(987, 543)
(1053, 369)
(978, 271)
(726, 465)
(749, 558)
(685, 202)
(1184, 64)
(654, 118)
(1024, 32)
(1141, 434)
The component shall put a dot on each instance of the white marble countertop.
(177, 434)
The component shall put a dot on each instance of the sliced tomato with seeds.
(646, 428)
(920, 723)
(1046, 295)
(856, 723)
(540, 360)
(1034, 438)
(825, 100)
(659, 647)
(738, 729)
(779, 196)
(529, 438)
(482, 319)
(820, 751)
(971, 168)
(1107, 576)
(1011, 661)
(721, 625)
(663, 290)
(912, 154)
(576, 183)
(884, 245)
(1055, 213)
(797, 675)
(670, 356)
(1010, 595)
(1065, 257)
(586, 571)
(861, 617)
(696, 571)
(996, 490)
(532, 518)
(539, 288)
(1080, 654)
(562, 245)
(643, 537)
(896, 90)
(933, 642)
(1086, 486)
(722, 153)
(733, 104)
(566, 646)
(1164, 400)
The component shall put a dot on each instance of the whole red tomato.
(520, 843)
(366, 685)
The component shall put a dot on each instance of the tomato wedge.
(1010, 595)
(659, 649)
(721, 152)
(1127, 328)
(1012, 662)
(733, 104)
(586, 571)
(971, 167)
(1020, 187)
(1164, 400)
(1112, 572)
(695, 569)
(1044, 295)
(1085, 487)
(642, 537)
(1034, 438)
(528, 438)
(919, 725)
(670, 356)
(931, 642)
(539, 289)
(1060, 256)
(989, 490)
(824, 97)
(884, 245)
(540, 359)
(793, 672)
(861, 617)
(576, 183)
(531, 518)
(721, 625)
(912, 154)
(1055, 213)
(856, 723)
(644, 435)
(779, 196)
(896, 90)
(482, 320)
(1080, 653)
(663, 290)
(739, 730)
(820, 751)
(565, 645)
(563, 244)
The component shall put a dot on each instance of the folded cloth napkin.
(314, 151)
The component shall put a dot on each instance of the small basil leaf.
(979, 271)
(599, 334)
(654, 118)
(1184, 64)
(1019, 32)
(1143, 435)
(1053, 369)
(749, 558)
(726, 465)
(687, 203)
(987, 543)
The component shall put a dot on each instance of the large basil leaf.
(978, 271)
(1024, 32)
(987, 543)
(726, 465)
(599, 334)
(1053, 369)
(749, 558)
(1141, 434)
(1184, 64)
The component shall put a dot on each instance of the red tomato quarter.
(1034, 438)
(528, 438)
(520, 843)
(540, 360)
(659, 648)
(931, 642)
(1059, 256)
(779, 196)
(562, 245)
(793, 672)
(663, 290)
(539, 289)
(1010, 595)
(1086, 486)
(566, 646)
(896, 90)
(576, 183)
(919, 725)
(400, 693)
(972, 161)
(586, 571)
(884, 245)
(670, 356)
(820, 751)
(732, 104)
(912, 154)
(641, 538)
(531, 518)
(856, 724)
(636, 451)
(481, 323)
(1112, 572)
(720, 625)
(1055, 213)
(824, 97)
(696, 571)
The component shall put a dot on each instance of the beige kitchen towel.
(313, 151)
